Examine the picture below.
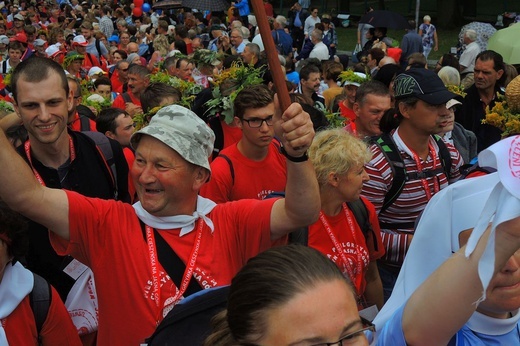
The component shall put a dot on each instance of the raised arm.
(301, 204)
(446, 300)
(24, 194)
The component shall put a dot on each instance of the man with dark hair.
(489, 77)
(297, 17)
(62, 158)
(373, 58)
(159, 94)
(106, 26)
(253, 167)
(372, 101)
(310, 84)
(411, 43)
(421, 113)
(138, 80)
(117, 124)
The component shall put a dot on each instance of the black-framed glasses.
(256, 123)
(355, 337)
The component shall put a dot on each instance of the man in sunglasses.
(253, 167)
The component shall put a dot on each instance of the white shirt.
(320, 51)
(468, 57)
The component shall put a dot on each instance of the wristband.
(302, 158)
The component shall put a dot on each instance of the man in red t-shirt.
(171, 165)
(138, 80)
(253, 167)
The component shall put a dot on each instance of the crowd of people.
(154, 163)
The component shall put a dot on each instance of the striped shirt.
(412, 200)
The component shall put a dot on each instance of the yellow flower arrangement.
(503, 117)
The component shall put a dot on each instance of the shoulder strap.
(40, 300)
(126, 97)
(107, 154)
(231, 169)
(84, 123)
(171, 262)
(389, 149)
(98, 47)
(216, 126)
(444, 155)
(4, 66)
(360, 211)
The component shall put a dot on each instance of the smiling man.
(371, 102)
(253, 167)
(60, 158)
(211, 241)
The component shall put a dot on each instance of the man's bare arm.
(24, 194)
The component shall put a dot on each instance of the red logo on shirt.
(514, 157)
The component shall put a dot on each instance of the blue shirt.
(392, 333)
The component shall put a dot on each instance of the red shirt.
(58, 329)
(252, 179)
(352, 241)
(119, 102)
(346, 112)
(107, 237)
(75, 124)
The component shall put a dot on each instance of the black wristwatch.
(302, 158)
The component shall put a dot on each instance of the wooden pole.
(272, 54)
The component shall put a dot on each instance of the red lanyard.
(346, 267)
(156, 293)
(424, 181)
(27, 147)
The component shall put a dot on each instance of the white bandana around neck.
(16, 284)
(469, 203)
(185, 222)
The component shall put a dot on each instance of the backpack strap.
(171, 262)
(444, 155)
(84, 123)
(40, 299)
(231, 169)
(360, 211)
(98, 48)
(105, 150)
(4, 66)
(389, 149)
(216, 126)
(126, 97)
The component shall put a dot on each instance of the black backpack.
(389, 149)
(40, 300)
(189, 322)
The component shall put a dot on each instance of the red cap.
(20, 37)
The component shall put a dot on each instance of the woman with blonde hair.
(339, 158)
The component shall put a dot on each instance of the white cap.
(4, 39)
(95, 70)
(80, 41)
(452, 102)
(53, 50)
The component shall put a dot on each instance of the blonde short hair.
(427, 18)
(337, 151)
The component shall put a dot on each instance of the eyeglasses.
(355, 337)
(123, 69)
(256, 123)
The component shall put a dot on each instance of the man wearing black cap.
(429, 164)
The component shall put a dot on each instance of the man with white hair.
(212, 242)
(320, 50)
(282, 39)
(467, 59)
(237, 41)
